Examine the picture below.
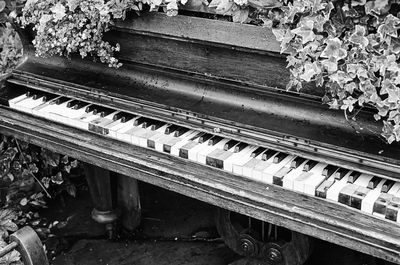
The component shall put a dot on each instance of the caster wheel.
(257, 239)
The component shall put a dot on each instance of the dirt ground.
(174, 230)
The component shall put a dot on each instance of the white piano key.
(202, 154)
(192, 153)
(116, 126)
(394, 189)
(15, 100)
(175, 149)
(311, 184)
(237, 157)
(28, 104)
(269, 172)
(288, 180)
(367, 203)
(363, 180)
(237, 167)
(247, 168)
(333, 193)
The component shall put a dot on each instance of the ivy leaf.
(305, 31)
(260, 4)
(389, 27)
(46, 182)
(57, 178)
(2, 5)
(358, 37)
(334, 49)
(377, 7)
(348, 104)
(72, 4)
(284, 36)
(310, 70)
(330, 65)
(58, 11)
(240, 15)
(358, 2)
(341, 78)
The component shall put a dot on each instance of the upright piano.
(199, 107)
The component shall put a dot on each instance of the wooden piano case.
(228, 79)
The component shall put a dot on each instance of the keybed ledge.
(316, 217)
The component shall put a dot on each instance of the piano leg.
(128, 202)
(101, 191)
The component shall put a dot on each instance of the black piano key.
(392, 209)
(139, 121)
(358, 196)
(258, 151)
(381, 203)
(279, 157)
(373, 183)
(180, 131)
(154, 125)
(387, 185)
(278, 177)
(80, 104)
(309, 165)
(12, 93)
(172, 128)
(323, 188)
(297, 162)
(62, 100)
(353, 176)
(123, 116)
(205, 137)
(239, 147)
(214, 140)
(230, 144)
(198, 135)
(340, 173)
(268, 154)
(329, 170)
(102, 111)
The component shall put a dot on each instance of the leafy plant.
(28, 174)
(77, 26)
(10, 44)
(351, 48)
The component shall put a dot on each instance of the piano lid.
(191, 70)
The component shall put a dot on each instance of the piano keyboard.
(367, 193)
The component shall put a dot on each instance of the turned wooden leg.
(128, 202)
(101, 189)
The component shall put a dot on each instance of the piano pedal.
(260, 242)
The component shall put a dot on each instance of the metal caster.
(267, 243)
(28, 244)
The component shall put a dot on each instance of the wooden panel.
(193, 28)
(211, 61)
(313, 216)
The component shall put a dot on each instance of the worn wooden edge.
(313, 216)
(201, 29)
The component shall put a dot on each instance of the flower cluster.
(350, 48)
